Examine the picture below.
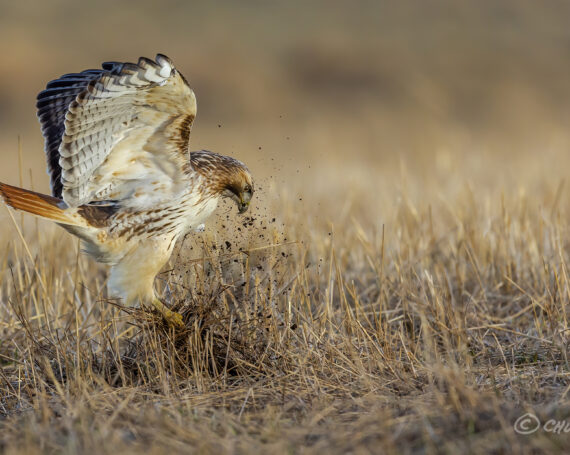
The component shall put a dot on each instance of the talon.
(172, 317)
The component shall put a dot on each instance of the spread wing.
(117, 133)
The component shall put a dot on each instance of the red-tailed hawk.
(122, 177)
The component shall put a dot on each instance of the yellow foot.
(172, 317)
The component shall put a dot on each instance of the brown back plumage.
(54, 209)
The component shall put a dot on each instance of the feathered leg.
(132, 277)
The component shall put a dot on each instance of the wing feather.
(109, 132)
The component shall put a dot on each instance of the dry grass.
(402, 285)
(431, 329)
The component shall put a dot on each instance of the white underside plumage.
(137, 259)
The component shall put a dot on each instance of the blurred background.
(325, 94)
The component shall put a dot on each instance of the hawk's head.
(227, 176)
(240, 188)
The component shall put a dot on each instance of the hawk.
(122, 177)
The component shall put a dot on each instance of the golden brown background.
(412, 226)
(294, 88)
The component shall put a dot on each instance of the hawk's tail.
(38, 204)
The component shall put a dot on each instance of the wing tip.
(166, 65)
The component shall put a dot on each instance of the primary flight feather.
(122, 177)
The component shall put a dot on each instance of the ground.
(400, 284)
(432, 330)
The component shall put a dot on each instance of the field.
(401, 283)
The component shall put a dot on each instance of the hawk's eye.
(247, 189)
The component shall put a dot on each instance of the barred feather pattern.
(91, 116)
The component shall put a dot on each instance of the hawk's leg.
(172, 317)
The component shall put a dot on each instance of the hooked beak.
(243, 206)
(244, 199)
(241, 199)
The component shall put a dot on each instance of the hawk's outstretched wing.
(117, 133)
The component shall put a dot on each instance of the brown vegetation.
(401, 284)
